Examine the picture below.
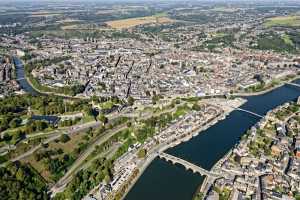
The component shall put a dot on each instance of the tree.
(15, 123)
(107, 179)
(64, 138)
(129, 124)
(196, 107)
(142, 153)
(41, 125)
(88, 110)
(7, 137)
(18, 136)
(148, 94)
(155, 98)
(131, 100)
(101, 130)
(20, 181)
(103, 119)
(20, 175)
(198, 196)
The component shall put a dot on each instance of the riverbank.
(264, 91)
(206, 184)
(194, 133)
(246, 149)
(26, 84)
(206, 149)
(54, 93)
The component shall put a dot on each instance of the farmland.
(131, 22)
(224, 9)
(290, 21)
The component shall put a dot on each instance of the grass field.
(291, 21)
(286, 38)
(77, 25)
(224, 9)
(131, 22)
(69, 20)
(107, 105)
(39, 167)
(67, 148)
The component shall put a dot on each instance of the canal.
(164, 181)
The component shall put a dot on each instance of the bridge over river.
(293, 84)
(250, 112)
(241, 109)
(196, 169)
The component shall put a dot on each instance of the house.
(297, 153)
(281, 130)
(275, 150)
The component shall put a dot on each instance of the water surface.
(163, 181)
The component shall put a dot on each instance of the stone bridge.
(189, 166)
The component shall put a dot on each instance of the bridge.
(196, 169)
(243, 110)
(250, 112)
(293, 84)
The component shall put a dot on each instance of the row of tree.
(18, 181)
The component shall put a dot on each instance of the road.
(83, 127)
(60, 185)
(79, 128)
(41, 134)
(72, 130)
(99, 141)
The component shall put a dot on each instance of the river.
(20, 74)
(164, 181)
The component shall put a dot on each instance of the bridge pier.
(188, 166)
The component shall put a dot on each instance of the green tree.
(103, 118)
(88, 110)
(20, 175)
(107, 179)
(130, 101)
(15, 123)
(196, 107)
(142, 153)
(64, 138)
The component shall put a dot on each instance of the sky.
(111, 1)
(105, 0)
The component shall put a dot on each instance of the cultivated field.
(131, 22)
(283, 21)
(224, 9)
(45, 14)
